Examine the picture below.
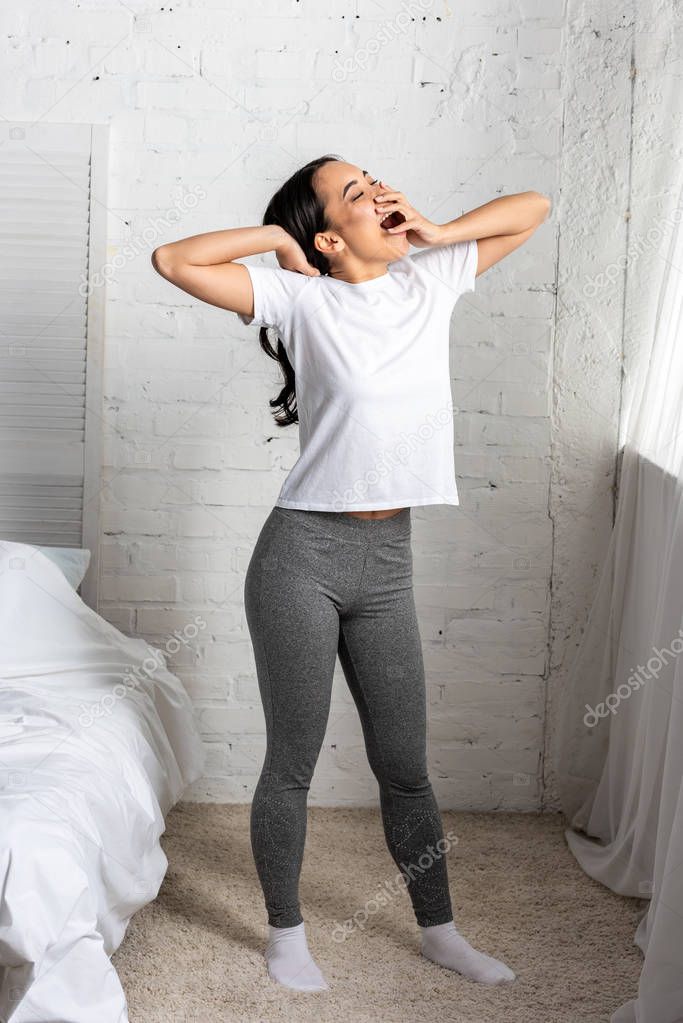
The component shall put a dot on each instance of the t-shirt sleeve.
(275, 292)
(454, 265)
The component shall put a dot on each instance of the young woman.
(363, 343)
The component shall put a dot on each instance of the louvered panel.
(24, 192)
(58, 518)
(49, 438)
(20, 486)
(49, 370)
(40, 264)
(44, 213)
(61, 501)
(44, 510)
(49, 396)
(72, 427)
(49, 314)
(37, 274)
(35, 453)
(48, 295)
(21, 390)
(49, 537)
(31, 231)
(44, 220)
(39, 341)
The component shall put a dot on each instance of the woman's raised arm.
(203, 264)
(500, 226)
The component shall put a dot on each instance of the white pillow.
(73, 561)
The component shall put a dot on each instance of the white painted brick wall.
(465, 102)
(589, 346)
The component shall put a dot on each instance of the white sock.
(289, 960)
(444, 944)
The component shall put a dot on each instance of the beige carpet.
(195, 953)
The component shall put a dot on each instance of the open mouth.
(392, 219)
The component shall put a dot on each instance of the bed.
(97, 742)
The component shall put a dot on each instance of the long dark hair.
(296, 208)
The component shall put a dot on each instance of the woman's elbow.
(162, 262)
(545, 204)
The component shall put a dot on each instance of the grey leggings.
(322, 584)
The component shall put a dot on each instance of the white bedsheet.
(83, 795)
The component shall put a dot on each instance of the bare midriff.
(382, 513)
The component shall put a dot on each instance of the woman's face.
(347, 193)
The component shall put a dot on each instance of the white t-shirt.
(373, 388)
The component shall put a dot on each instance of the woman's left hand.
(418, 230)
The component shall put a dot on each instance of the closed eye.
(361, 193)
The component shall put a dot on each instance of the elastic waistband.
(339, 524)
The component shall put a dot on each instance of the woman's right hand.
(291, 256)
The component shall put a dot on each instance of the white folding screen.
(52, 235)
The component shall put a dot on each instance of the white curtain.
(619, 754)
